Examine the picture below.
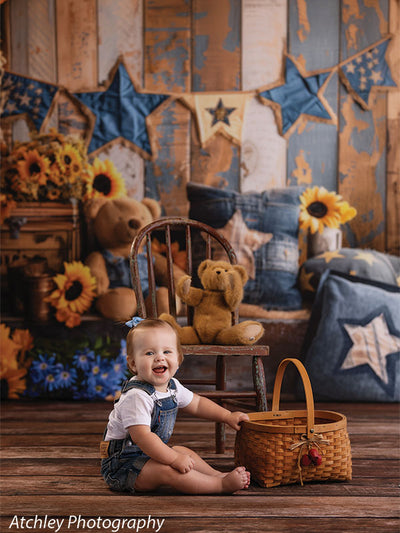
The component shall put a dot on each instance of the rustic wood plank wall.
(180, 47)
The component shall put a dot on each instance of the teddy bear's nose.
(134, 223)
(218, 272)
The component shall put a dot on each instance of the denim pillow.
(368, 264)
(352, 346)
(263, 230)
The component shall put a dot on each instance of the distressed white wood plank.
(263, 41)
(130, 165)
(120, 27)
(41, 44)
(32, 47)
(263, 153)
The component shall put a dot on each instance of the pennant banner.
(25, 97)
(219, 113)
(367, 71)
(121, 112)
(298, 96)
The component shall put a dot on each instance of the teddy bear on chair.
(213, 305)
(115, 223)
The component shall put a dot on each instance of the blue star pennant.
(365, 71)
(121, 111)
(299, 95)
(25, 96)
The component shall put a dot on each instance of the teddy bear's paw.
(252, 332)
(185, 285)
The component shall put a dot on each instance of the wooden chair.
(209, 236)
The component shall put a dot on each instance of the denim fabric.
(273, 211)
(126, 459)
(351, 313)
(364, 263)
(119, 274)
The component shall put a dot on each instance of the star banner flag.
(367, 71)
(219, 113)
(121, 112)
(24, 97)
(298, 97)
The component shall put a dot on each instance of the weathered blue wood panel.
(168, 173)
(167, 46)
(167, 69)
(314, 42)
(216, 45)
(362, 134)
(216, 67)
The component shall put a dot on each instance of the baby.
(135, 453)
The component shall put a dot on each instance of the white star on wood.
(372, 344)
(244, 241)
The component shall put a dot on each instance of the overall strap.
(136, 384)
(147, 387)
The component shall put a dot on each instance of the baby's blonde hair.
(150, 323)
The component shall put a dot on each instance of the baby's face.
(155, 358)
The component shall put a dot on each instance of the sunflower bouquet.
(74, 294)
(320, 208)
(56, 167)
(50, 167)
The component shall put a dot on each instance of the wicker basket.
(272, 444)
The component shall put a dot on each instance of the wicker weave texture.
(271, 461)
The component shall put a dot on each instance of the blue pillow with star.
(263, 230)
(352, 346)
(364, 263)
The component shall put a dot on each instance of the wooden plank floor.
(50, 466)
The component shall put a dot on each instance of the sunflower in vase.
(320, 209)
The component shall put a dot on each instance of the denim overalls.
(125, 460)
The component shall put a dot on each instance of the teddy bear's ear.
(242, 272)
(92, 207)
(153, 206)
(203, 265)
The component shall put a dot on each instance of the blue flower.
(41, 368)
(50, 381)
(66, 377)
(83, 359)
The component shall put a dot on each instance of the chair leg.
(220, 385)
(259, 384)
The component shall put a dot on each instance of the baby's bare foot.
(236, 480)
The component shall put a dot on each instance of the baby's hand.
(235, 418)
(183, 463)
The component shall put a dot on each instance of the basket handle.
(307, 388)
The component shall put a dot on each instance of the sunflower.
(76, 289)
(71, 319)
(33, 167)
(347, 212)
(70, 161)
(24, 339)
(12, 378)
(319, 208)
(8, 348)
(105, 180)
(13, 382)
(6, 206)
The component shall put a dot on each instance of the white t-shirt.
(135, 407)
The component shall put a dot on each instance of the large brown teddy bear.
(115, 223)
(223, 291)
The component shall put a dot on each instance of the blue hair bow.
(134, 322)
